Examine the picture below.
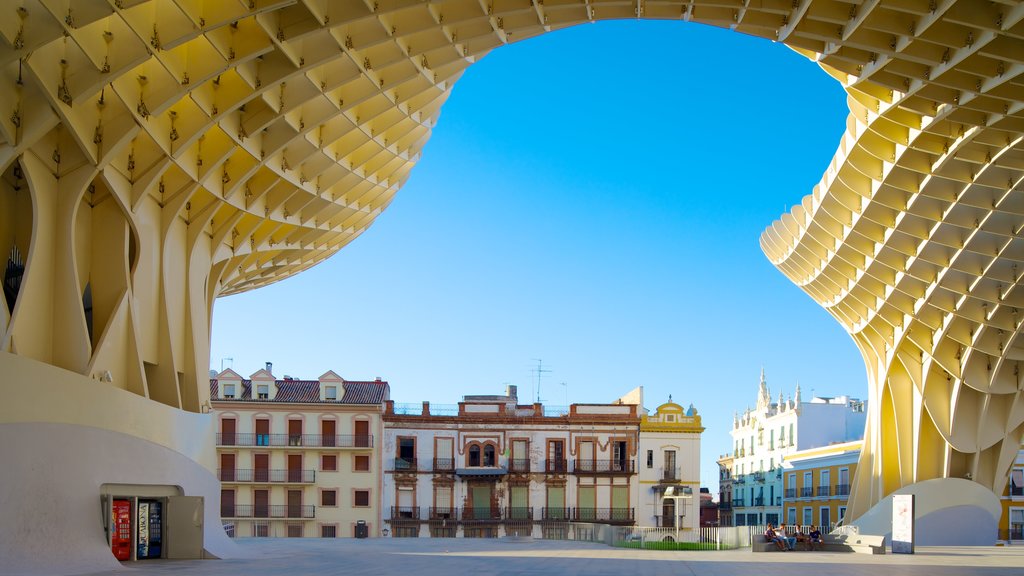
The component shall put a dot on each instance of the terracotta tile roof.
(308, 392)
(365, 392)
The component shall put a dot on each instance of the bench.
(859, 543)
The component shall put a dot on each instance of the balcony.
(1016, 490)
(481, 514)
(1016, 532)
(405, 513)
(519, 513)
(758, 476)
(293, 440)
(842, 490)
(519, 465)
(265, 511)
(443, 513)
(725, 505)
(790, 493)
(266, 476)
(443, 465)
(670, 474)
(611, 467)
(738, 503)
(825, 491)
(759, 501)
(603, 515)
(555, 467)
(405, 465)
(807, 492)
(555, 514)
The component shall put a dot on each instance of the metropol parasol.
(157, 154)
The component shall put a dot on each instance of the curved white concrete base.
(948, 512)
(62, 437)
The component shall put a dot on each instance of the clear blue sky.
(592, 197)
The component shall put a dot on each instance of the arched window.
(474, 455)
(489, 455)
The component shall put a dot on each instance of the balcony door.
(262, 432)
(670, 465)
(295, 432)
(668, 512)
(295, 503)
(620, 456)
(362, 431)
(444, 458)
(227, 503)
(585, 459)
(328, 429)
(227, 467)
(556, 456)
(261, 503)
(227, 432)
(261, 468)
(295, 468)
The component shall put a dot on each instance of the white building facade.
(669, 475)
(764, 437)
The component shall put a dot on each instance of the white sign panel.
(903, 524)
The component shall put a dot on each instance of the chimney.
(270, 367)
(511, 391)
(378, 379)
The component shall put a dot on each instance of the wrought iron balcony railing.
(444, 464)
(670, 474)
(842, 489)
(405, 465)
(306, 440)
(267, 511)
(266, 476)
(443, 513)
(405, 513)
(520, 465)
(555, 466)
(603, 467)
(790, 492)
(556, 514)
(519, 513)
(609, 515)
(824, 491)
(807, 492)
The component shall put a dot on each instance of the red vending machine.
(121, 537)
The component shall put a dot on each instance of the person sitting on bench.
(789, 540)
(771, 536)
(800, 536)
(814, 538)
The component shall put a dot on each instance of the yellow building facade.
(817, 484)
(155, 155)
(1011, 525)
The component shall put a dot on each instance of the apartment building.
(1011, 525)
(818, 483)
(766, 436)
(669, 473)
(492, 466)
(299, 458)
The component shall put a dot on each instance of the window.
(751, 445)
(771, 440)
(826, 517)
(842, 513)
(650, 458)
(361, 464)
(329, 531)
(361, 498)
(331, 393)
(329, 498)
(808, 516)
(329, 463)
(262, 391)
(295, 530)
(790, 433)
(791, 516)
(489, 457)
(1017, 482)
(406, 459)
(229, 390)
(1016, 523)
(474, 455)
(261, 529)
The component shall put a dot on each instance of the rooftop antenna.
(538, 372)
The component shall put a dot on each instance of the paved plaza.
(502, 557)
